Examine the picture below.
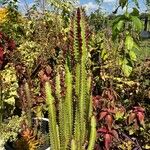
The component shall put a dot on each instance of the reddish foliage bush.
(6, 46)
(108, 111)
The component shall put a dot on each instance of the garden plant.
(71, 80)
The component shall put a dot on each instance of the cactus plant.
(71, 129)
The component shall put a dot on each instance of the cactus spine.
(75, 106)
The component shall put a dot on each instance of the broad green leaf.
(126, 68)
(132, 55)
(120, 25)
(129, 42)
(136, 23)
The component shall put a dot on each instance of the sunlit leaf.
(126, 68)
(131, 132)
(129, 42)
(147, 146)
(137, 23)
(104, 54)
(119, 115)
(132, 55)
(120, 25)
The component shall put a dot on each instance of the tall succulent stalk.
(75, 106)
(54, 135)
(29, 102)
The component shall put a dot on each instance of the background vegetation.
(88, 75)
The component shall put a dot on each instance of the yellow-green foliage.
(28, 53)
(3, 14)
(72, 131)
(9, 130)
(9, 84)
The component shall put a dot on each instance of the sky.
(108, 6)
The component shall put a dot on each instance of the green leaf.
(135, 12)
(120, 25)
(129, 42)
(119, 115)
(104, 54)
(131, 132)
(136, 23)
(136, 47)
(132, 55)
(126, 68)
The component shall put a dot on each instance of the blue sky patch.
(108, 6)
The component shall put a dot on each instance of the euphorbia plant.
(71, 128)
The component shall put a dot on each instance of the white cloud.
(90, 6)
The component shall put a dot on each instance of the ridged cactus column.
(75, 120)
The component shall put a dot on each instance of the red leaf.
(95, 102)
(111, 110)
(136, 127)
(131, 118)
(137, 109)
(140, 117)
(115, 134)
(48, 70)
(107, 141)
(102, 115)
(103, 130)
(109, 121)
(1, 55)
(110, 96)
(11, 45)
